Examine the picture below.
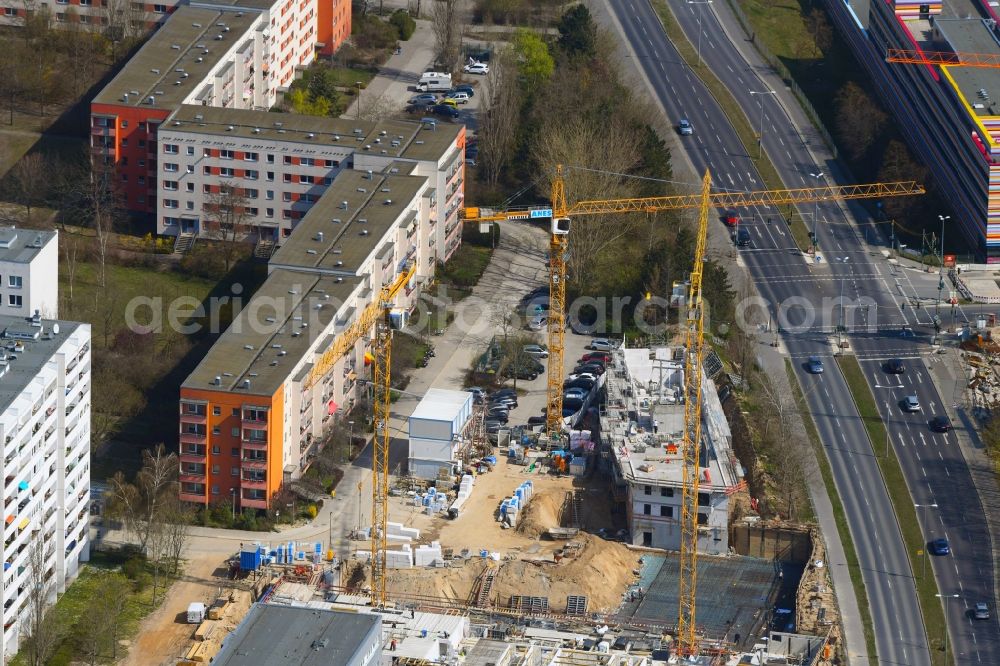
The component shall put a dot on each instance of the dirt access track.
(598, 569)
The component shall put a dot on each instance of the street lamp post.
(358, 110)
(923, 562)
(941, 266)
(946, 596)
(699, 2)
(350, 441)
(760, 134)
(817, 176)
(233, 491)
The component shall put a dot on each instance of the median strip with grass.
(899, 495)
(840, 516)
(734, 112)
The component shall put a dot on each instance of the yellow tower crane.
(376, 316)
(560, 213)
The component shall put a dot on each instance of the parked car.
(592, 357)
(815, 365)
(492, 425)
(477, 68)
(981, 611)
(459, 96)
(940, 424)
(595, 369)
(466, 88)
(579, 383)
(425, 98)
(911, 403)
(575, 404)
(684, 127)
(600, 345)
(575, 394)
(521, 370)
(940, 547)
(506, 402)
(503, 391)
(501, 415)
(895, 366)
(582, 375)
(538, 322)
(448, 101)
(444, 110)
(537, 351)
(478, 394)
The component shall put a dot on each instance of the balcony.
(192, 477)
(192, 457)
(253, 503)
(192, 497)
(102, 131)
(192, 438)
(247, 463)
(192, 418)
(254, 484)
(254, 445)
(254, 420)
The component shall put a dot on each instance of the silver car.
(537, 351)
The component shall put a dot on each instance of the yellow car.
(449, 101)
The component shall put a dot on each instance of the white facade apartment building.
(359, 236)
(643, 427)
(29, 261)
(285, 162)
(45, 369)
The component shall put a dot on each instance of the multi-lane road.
(933, 464)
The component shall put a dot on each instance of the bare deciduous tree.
(789, 459)
(99, 628)
(376, 109)
(71, 252)
(605, 148)
(227, 212)
(140, 505)
(498, 121)
(446, 20)
(41, 627)
(178, 517)
(29, 176)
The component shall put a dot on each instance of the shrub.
(312, 511)
(134, 567)
(403, 23)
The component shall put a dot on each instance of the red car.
(595, 357)
(731, 217)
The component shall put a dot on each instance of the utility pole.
(817, 176)
(941, 267)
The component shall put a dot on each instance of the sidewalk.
(399, 73)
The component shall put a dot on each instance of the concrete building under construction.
(642, 426)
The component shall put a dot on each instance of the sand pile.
(601, 571)
(542, 513)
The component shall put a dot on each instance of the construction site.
(603, 533)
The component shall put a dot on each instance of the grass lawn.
(15, 145)
(72, 606)
(899, 494)
(105, 309)
(843, 530)
(737, 117)
(348, 77)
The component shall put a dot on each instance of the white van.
(435, 85)
(427, 76)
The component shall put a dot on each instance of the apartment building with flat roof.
(283, 164)
(28, 261)
(250, 419)
(232, 54)
(45, 437)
